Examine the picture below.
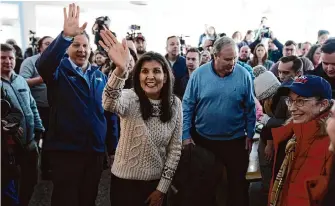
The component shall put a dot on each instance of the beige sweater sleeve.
(114, 99)
(173, 152)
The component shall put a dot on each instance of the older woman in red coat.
(304, 173)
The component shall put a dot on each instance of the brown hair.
(267, 106)
(254, 61)
(7, 47)
(236, 33)
(194, 49)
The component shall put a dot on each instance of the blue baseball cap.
(307, 86)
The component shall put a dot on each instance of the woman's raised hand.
(117, 52)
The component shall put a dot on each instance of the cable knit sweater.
(147, 149)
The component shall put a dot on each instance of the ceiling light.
(139, 3)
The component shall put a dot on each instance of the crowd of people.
(168, 125)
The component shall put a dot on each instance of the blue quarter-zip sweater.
(77, 120)
(222, 108)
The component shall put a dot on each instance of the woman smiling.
(150, 144)
(305, 171)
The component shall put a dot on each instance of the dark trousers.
(76, 177)
(28, 175)
(233, 155)
(44, 113)
(45, 164)
(265, 166)
(125, 192)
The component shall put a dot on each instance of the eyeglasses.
(298, 102)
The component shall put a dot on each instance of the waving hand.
(71, 22)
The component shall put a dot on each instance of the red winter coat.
(306, 183)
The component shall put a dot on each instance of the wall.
(298, 20)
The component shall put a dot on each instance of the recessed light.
(139, 3)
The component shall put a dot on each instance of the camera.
(98, 25)
(102, 21)
(33, 40)
(133, 28)
(265, 32)
(182, 44)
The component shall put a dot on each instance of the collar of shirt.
(85, 75)
(13, 76)
(212, 64)
(78, 68)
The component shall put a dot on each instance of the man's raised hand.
(71, 22)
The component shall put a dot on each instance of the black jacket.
(195, 179)
(9, 131)
(281, 114)
(318, 71)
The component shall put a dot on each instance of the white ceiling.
(290, 19)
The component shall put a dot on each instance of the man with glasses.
(34, 80)
(326, 70)
(290, 49)
(38, 89)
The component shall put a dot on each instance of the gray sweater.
(27, 71)
(20, 96)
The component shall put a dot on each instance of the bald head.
(244, 53)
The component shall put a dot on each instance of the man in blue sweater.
(219, 115)
(75, 141)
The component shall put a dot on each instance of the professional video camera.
(132, 34)
(265, 30)
(98, 25)
(182, 44)
(33, 42)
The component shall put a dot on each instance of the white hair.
(220, 43)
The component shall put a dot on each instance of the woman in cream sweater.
(150, 143)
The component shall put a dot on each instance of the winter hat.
(266, 83)
(322, 32)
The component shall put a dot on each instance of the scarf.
(275, 198)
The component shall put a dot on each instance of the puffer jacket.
(306, 184)
(20, 96)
